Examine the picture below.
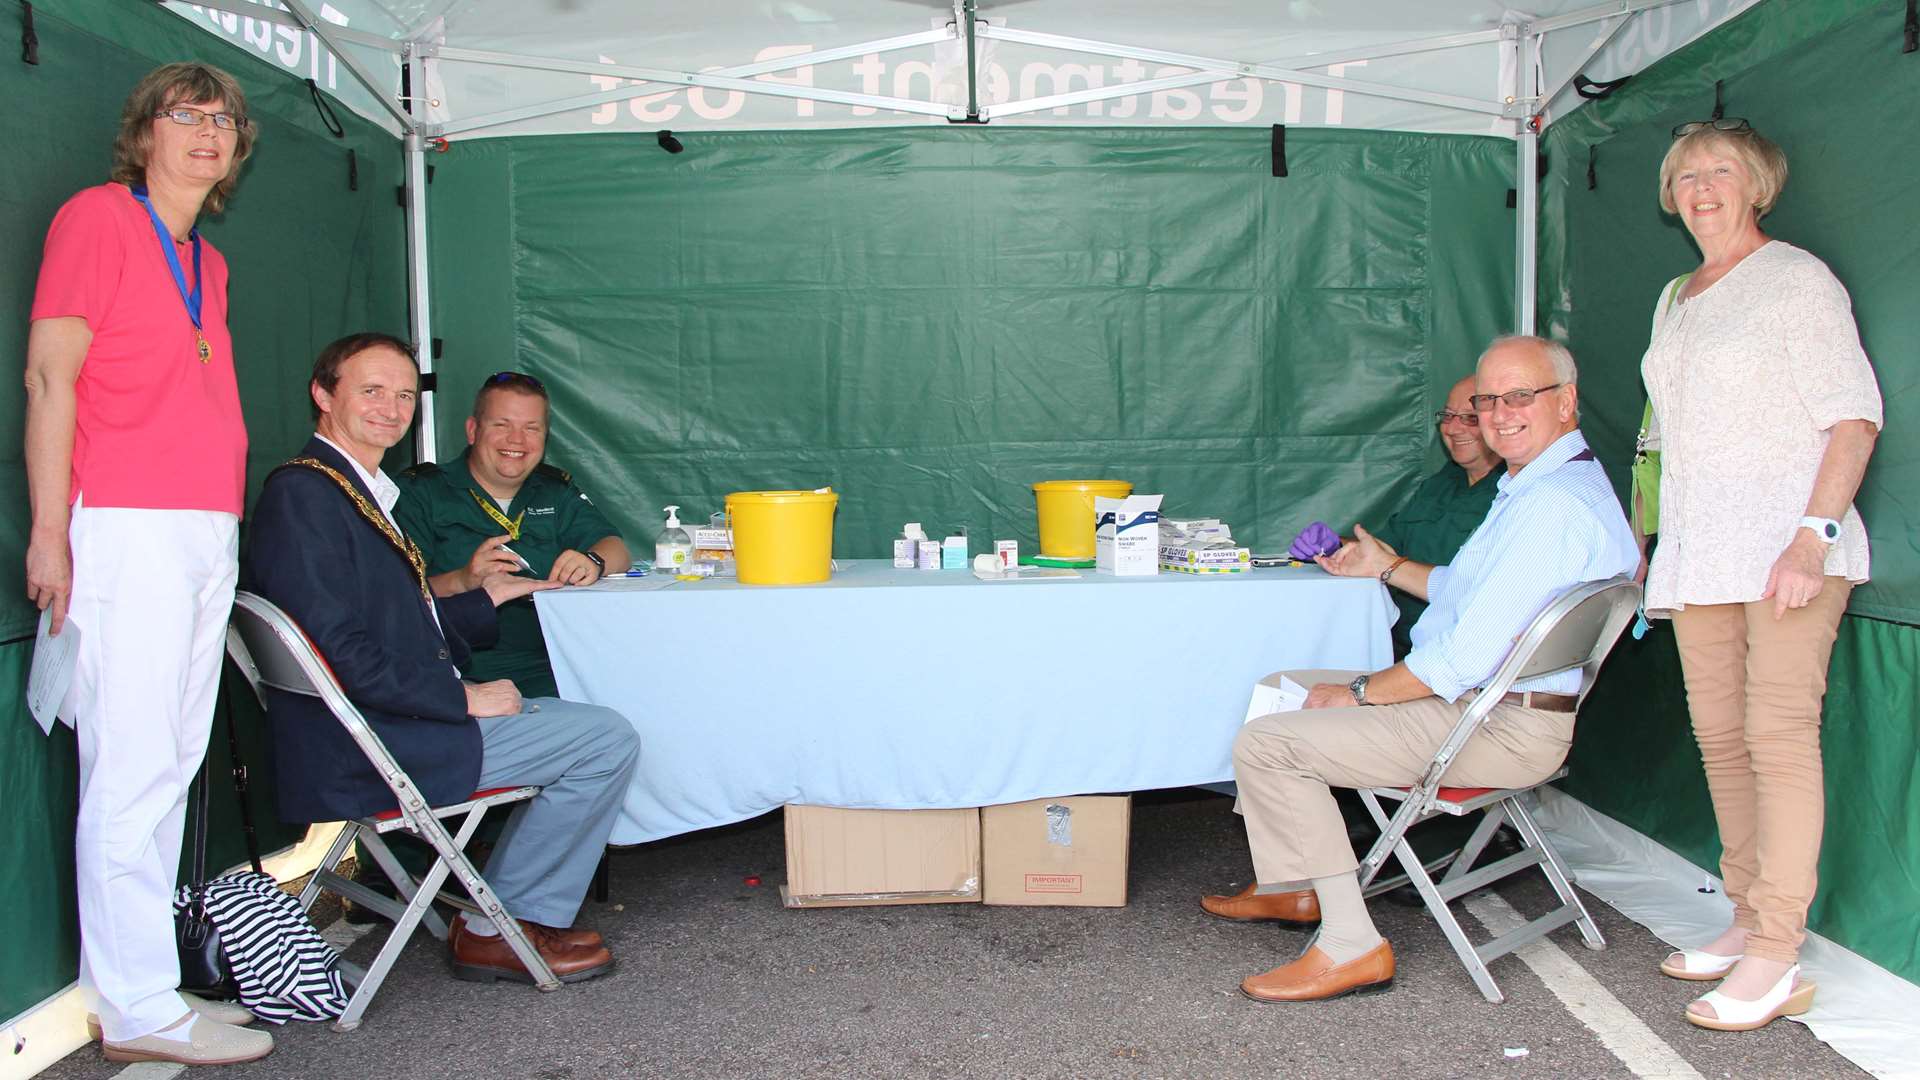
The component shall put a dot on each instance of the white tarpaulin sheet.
(484, 76)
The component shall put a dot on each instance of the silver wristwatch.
(1358, 688)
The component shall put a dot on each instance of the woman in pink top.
(1765, 409)
(136, 464)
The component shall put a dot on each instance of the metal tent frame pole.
(419, 305)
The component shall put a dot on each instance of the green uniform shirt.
(1431, 528)
(439, 511)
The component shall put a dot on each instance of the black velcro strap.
(353, 171)
(429, 381)
(325, 110)
(1593, 181)
(1279, 150)
(1913, 27)
(1539, 166)
(1719, 107)
(1594, 91)
(1513, 199)
(30, 41)
(438, 347)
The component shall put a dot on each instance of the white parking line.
(150, 1070)
(1621, 1032)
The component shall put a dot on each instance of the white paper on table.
(1289, 696)
(50, 678)
(643, 583)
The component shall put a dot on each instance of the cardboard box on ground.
(837, 857)
(1068, 852)
(1053, 852)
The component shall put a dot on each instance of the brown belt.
(1536, 699)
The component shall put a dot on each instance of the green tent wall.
(1830, 84)
(308, 257)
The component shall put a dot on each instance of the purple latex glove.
(1315, 539)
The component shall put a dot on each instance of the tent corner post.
(419, 316)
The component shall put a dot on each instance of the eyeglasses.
(1467, 418)
(1723, 123)
(1515, 399)
(516, 378)
(186, 117)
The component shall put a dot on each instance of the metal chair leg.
(1557, 874)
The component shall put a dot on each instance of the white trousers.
(152, 590)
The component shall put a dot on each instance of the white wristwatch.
(1827, 529)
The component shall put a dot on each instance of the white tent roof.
(498, 67)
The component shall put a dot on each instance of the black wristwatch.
(1358, 688)
(597, 561)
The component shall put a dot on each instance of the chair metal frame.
(271, 650)
(1575, 631)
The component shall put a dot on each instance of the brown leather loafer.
(484, 959)
(1314, 977)
(1299, 908)
(566, 935)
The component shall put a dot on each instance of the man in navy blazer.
(325, 548)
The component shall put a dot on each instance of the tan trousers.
(1754, 687)
(1286, 763)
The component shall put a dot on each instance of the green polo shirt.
(439, 510)
(1431, 527)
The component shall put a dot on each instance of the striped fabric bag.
(283, 970)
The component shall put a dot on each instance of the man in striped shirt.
(1554, 524)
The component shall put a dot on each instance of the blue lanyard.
(191, 299)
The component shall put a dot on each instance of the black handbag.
(203, 967)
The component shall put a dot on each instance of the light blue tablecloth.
(913, 689)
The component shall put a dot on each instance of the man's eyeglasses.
(1515, 399)
(516, 378)
(1724, 123)
(186, 117)
(1445, 415)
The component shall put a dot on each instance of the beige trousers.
(1286, 763)
(1754, 686)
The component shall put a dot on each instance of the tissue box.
(1126, 539)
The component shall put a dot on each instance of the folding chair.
(272, 651)
(1575, 631)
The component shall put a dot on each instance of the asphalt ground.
(716, 979)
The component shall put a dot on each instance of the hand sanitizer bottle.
(906, 546)
(672, 548)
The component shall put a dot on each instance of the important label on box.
(1056, 883)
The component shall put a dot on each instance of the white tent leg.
(420, 318)
(1526, 146)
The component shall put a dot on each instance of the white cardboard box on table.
(1126, 539)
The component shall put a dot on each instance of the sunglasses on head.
(1721, 123)
(515, 378)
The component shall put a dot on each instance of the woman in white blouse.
(1765, 409)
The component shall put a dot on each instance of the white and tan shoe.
(209, 1043)
(1788, 997)
(1698, 965)
(220, 1012)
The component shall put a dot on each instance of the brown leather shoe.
(566, 935)
(484, 959)
(1299, 908)
(1314, 977)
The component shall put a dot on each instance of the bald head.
(1520, 433)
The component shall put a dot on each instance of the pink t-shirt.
(155, 427)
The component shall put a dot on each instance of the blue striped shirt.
(1554, 524)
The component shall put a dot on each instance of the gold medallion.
(206, 350)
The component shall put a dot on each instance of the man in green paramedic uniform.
(1447, 506)
(473, 515)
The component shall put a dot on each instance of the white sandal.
(1698, 965)
(1785, 998)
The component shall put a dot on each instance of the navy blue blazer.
(313, 553)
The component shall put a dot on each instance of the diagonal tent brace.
(328, 33)
(656, 80)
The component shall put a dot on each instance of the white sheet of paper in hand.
(1289, 696)
(51, 676)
